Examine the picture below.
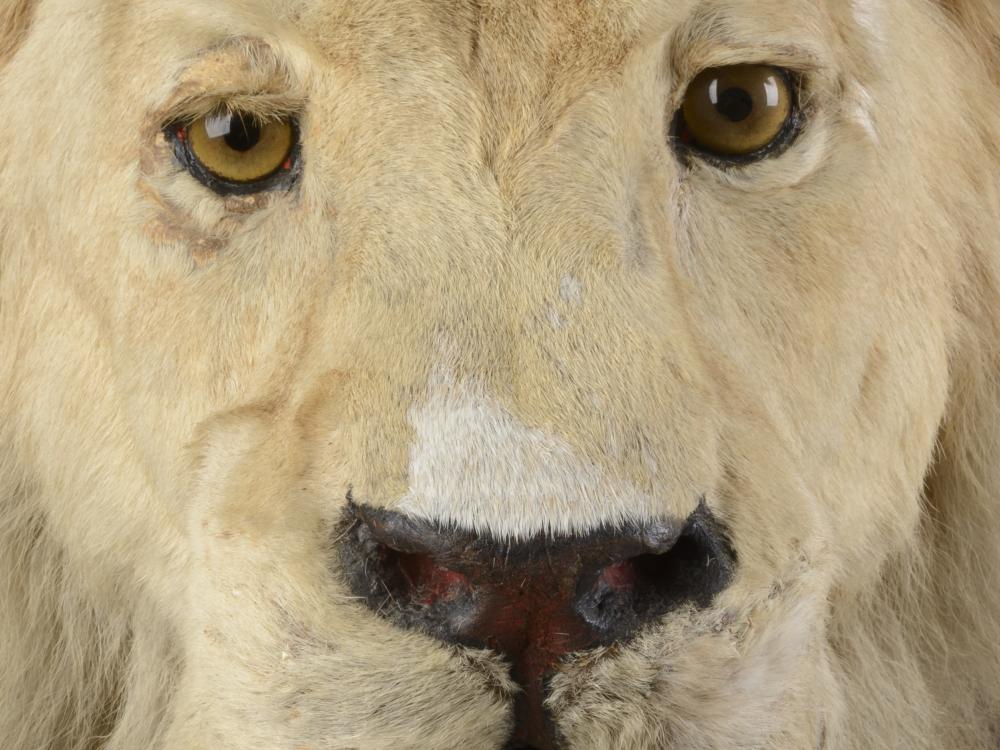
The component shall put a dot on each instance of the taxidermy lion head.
(499, 374)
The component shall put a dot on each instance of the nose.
(533, 601)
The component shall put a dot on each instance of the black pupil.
(735, 104)
(243, 134)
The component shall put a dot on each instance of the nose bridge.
(534, 383)
(518, 359)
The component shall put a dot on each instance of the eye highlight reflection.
(738, 112)
(238, 153)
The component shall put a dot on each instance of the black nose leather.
(533, 601)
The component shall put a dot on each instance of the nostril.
(419, 579)
(621, 575)
(692, 568)
(535, 600)
(397, 566)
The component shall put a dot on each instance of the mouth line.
(536, 601)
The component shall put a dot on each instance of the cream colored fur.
(497, 298)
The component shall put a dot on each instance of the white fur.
(511, 479)
(871, 16)
(863, 112)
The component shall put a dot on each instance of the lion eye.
(738, 111)
(236, 153)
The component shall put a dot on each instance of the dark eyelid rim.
(280, 179)
(793, 126)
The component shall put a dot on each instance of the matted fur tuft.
(980, 23)
(15, 17)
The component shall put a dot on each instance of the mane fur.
(82, 665)
(59, 652)
(979, 21)
(918, 653)
(84, 662)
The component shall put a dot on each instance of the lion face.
(495, 281)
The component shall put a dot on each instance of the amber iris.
(737, 110)
(238, 148)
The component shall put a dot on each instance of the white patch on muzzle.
(475, 465)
